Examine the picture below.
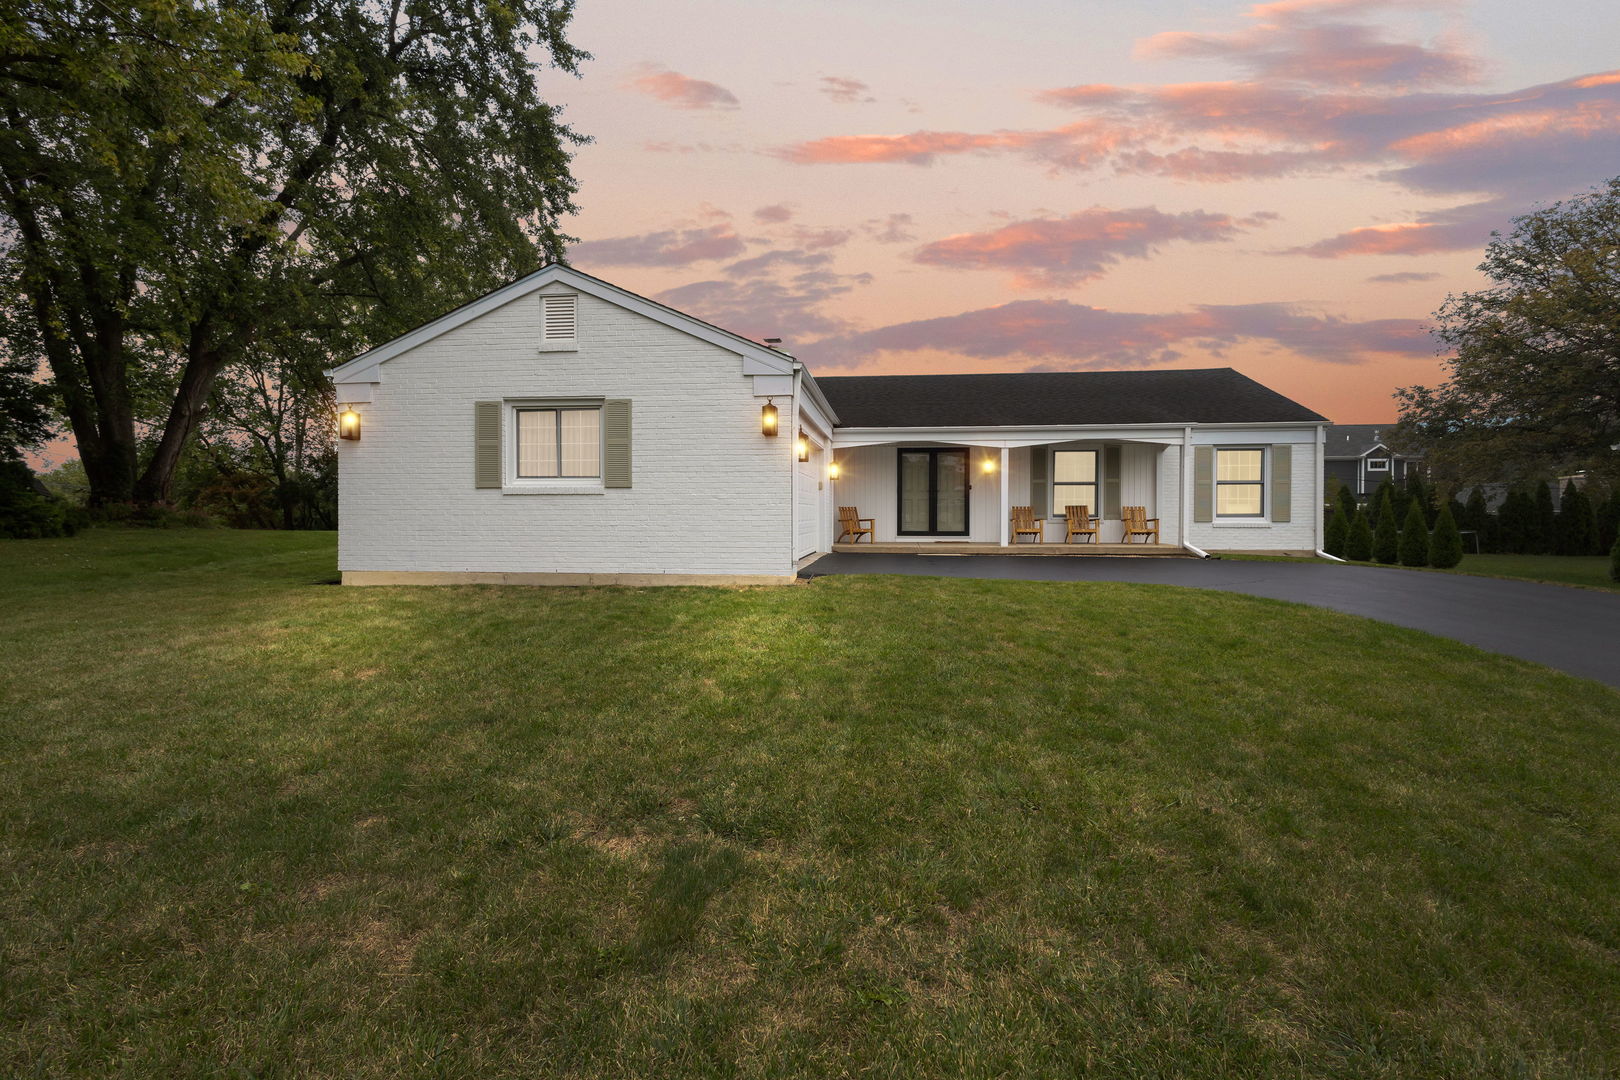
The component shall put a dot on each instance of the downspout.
(1186, 501)
(1321, 481)
(793, 474)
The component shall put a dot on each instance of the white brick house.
(562, 430)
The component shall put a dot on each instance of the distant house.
(1356, 456)
(562, 430)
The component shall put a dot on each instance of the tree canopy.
(187, 185)
(1534, 385)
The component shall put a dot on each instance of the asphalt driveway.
(1573, 630)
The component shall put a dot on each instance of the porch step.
(948, 548)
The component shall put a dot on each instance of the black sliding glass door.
(934, 492)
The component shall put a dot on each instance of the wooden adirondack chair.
(1079, 523)
(1025, 523)
(849, 524)
(1137, 523)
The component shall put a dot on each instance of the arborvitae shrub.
(1608, 520)
(1386, 537)
(1544, 528)
(1358, 543)
(1347, 505)
(1414, 548)
(1338, 531)
(1577, 524)
(1418, 492)
(1445, 545)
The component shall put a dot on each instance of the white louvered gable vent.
(559, 322)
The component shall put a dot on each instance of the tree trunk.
(203, 363)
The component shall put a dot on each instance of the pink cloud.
(682, 91)
(846, 91)
(762, 306)
(1403, 277)
(1080, 247)
(1087, 337)
(817, 239)
(773, 215)
(893, 229)
(669, 247)
(1306, 43)
(1073, 146)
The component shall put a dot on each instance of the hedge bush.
(1414, 546)
(1358, 544)
(1445, 546)
(1386, 546)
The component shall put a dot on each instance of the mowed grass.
(256, 826)
(1589, 570)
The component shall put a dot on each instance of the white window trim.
(513, 484)
(1378, 464)
(1263, 518)
(1096, 485)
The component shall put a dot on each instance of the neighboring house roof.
(1355, 441)
(1059, 398)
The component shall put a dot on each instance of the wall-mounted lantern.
(832, 470)
(349, 425)
(803, 446)
(988, 465)
(767, 419)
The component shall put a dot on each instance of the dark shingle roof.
(1350, 440)
(1054, 398)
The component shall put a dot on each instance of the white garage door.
(812, 504)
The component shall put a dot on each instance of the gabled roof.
(1355, 440)
(773, 359)
(1059, 398)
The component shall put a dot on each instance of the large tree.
(1534, 386)
(185, 183)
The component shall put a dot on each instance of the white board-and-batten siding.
(709, 494)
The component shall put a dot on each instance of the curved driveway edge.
(1573, 630)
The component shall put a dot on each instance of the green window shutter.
(1282, 481)
(1110, 482)
(616, 444)
(1040, 484)
(486, 444)
(1203, 483)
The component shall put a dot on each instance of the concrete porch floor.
(949, 547)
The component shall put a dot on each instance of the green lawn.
(1591, 571)
(253, 825)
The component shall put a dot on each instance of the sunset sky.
(891, 186)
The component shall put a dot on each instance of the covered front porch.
(1079, 550)
(935, 494)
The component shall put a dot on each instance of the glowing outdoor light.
(832, 471)
(349, 425)
(989, 465)
(803, 446)
(767, 419)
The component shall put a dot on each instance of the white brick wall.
(710, 494)
(1297, 534)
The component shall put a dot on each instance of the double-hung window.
(559, 443)
(1074, 480)
(1240, 487)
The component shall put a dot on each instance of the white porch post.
(1005, 453)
